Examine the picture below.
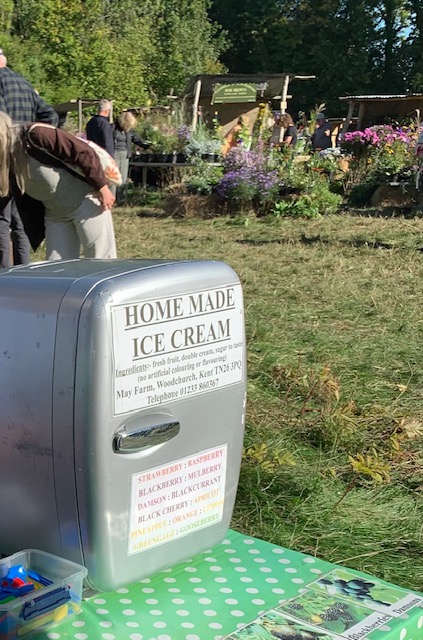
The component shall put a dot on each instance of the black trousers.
(11, 228)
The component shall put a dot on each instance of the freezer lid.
(72, 270)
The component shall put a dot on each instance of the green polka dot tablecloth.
(247, 588)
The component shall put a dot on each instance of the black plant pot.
(181, 157)
(208, 157)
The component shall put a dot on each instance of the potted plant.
(202, 144)
(147, 132)
(184, 135)
(212, 150)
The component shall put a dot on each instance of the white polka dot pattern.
(210, 597)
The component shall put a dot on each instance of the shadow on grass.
(352, 242)
(318, 239)
(408, 213)
(152, 213)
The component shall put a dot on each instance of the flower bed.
(279, 182)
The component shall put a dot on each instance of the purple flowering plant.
(184, 133)
(247, 176)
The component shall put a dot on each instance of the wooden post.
(79, 115)
(283, 104)
(347, 120)
(361, 113)
(197, 92)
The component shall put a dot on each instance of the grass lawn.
(333, 461)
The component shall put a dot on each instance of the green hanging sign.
(240, 92)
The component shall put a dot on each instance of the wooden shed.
(207, 94)
(382, 109)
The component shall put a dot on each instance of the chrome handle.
(126, 441)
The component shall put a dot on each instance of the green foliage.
(6, 13)
(267, 459)
(134, 51)
(120, 49)
(203, 141)
(360, 193)
(378, 45)
(187, 43)
(301, 207)
(371, 465)
(204, 178)
(312, 196)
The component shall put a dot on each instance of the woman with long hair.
(65, 174)
(284, 132)
(124, 137)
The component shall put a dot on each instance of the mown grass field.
(333, 461)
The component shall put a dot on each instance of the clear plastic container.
(56, 597)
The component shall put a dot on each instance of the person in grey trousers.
(124, 137)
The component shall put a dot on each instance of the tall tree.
(390, 18)
(121, 49)
(352, 46)
(250, 25)
(412, 48)
(189, 43)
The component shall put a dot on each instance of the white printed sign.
(173, 500)
(166, 349)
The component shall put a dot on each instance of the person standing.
(99, 129)
(23, 104)
(124, 137)
(321, 138)
(290, 131)
(284, 132)
(41, 160)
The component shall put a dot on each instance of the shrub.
(247, 177)
(361, 193)
(237, 185)
(301, 207)
(313, 204)
(204, 178)
(202, 141)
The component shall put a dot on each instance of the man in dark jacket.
(99, 129)
(321, 138)
(23, 104)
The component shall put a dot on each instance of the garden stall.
(382, 109)
(201, 91)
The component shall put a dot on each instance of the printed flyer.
(340, 604)
(371, 593)
(276, 624)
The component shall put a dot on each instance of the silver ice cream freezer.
(122, 406)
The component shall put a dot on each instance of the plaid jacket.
(21, 102)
